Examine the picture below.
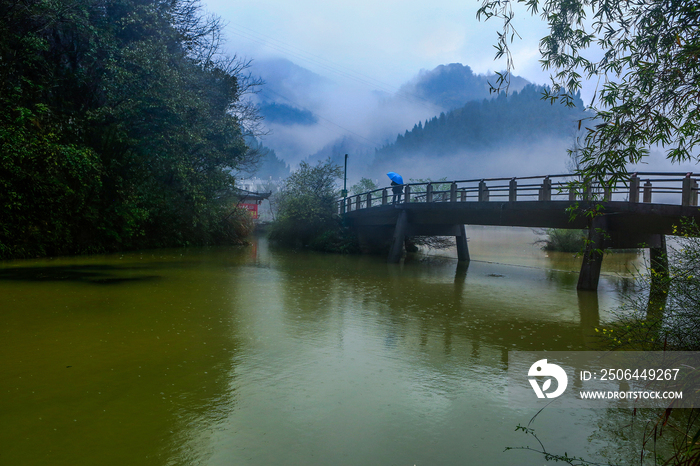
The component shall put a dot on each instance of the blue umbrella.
(395, 177)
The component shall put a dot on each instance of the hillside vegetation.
(521, 117)
(451, 86)
(120, 125)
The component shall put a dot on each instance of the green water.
(259, 356)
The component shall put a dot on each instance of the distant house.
(251, 193)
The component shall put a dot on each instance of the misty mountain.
(359, 154)
(311, 118)
(269, 165)
(520, 117)
(451, 86)
(443, 88)
(490, 129)
(288, 84)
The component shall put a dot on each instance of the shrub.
(307, 212)
(564, 240)
(664, 311)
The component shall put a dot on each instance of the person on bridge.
(397, 189)
(396, 186)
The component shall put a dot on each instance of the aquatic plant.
(563, 240)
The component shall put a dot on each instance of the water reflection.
(98, 274)
(113, 375)
(590, 318)
(398, 349)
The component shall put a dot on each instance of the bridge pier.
(404, 229)
(462, 248)
(600, 238)
(658, 260)
(398, 240)
(589, 315)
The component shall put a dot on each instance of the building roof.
(244, 195)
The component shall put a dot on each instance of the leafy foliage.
(441, 189)
(307, 212)
(46, 191)
(120, 126)
(663, 313)
(564, 240)
(363, 186)
(647, 53)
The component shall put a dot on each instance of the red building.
(251, 200)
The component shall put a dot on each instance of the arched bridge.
(635, 212)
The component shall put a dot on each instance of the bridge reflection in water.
(636, 212)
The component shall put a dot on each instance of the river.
(262, 356)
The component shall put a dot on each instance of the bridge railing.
(648, 187)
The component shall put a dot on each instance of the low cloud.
(547, 157)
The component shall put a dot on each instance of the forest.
(519, 117)
(121, 126)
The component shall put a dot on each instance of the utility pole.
(344, 192)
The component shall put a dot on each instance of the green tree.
(441, 189)
(363, 186)
(307, 213)
(647, 55)
(46, 192)
(121, 126)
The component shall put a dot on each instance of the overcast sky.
(383, 42)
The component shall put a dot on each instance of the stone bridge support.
(462, 248)
(397, 242)
(600, 238)
(593, 255)
(404, 228)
